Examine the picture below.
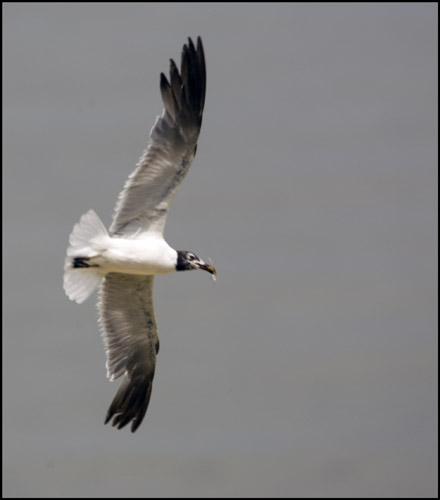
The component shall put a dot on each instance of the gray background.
(310, 366)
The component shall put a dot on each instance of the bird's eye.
(191, 256)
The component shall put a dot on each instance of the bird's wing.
(129, 332)
(147, 195)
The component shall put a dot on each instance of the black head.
(187, 261)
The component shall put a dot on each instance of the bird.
(123, 260)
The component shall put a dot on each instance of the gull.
(123, 260)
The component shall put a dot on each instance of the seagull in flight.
(123, 260)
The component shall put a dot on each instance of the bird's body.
(123, 260)
(150, 254)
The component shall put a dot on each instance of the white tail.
(80, 280)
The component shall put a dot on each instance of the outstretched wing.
(147, 195)
(129, 332)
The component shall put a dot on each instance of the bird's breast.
(144, 256)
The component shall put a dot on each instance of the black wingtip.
(163, 82)
(172, 66)
(130, 403)
(191, 44)
(183, 94)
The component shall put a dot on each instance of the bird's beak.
(210, 269)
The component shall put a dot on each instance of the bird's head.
(186, 261)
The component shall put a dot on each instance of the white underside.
(149, 255)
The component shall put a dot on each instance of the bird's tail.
(81, 275)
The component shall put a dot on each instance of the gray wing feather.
(147, 195)
(129, 332)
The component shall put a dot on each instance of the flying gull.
(124, 260)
